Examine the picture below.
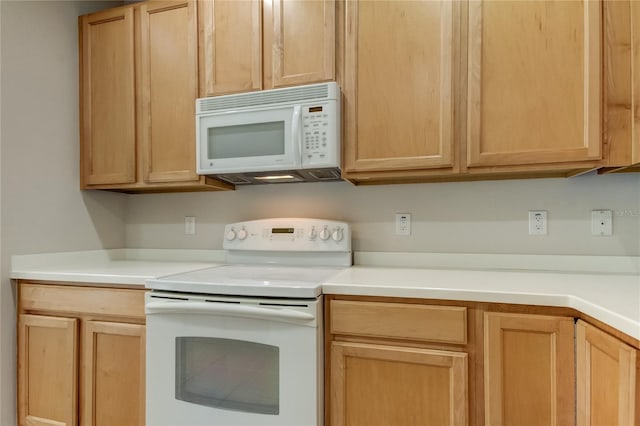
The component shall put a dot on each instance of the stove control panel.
(288, 234)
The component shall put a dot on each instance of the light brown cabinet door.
(47, 371)
(635, 40)
(528, 370)
(399, 85)
(534, 82)
(113, 374)
(168, 87)
(230, 46)
(606, 378)
(387, 385)
(302, 41)
(108, 133)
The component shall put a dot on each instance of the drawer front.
(446, 324)
(78, 300)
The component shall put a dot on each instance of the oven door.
(233, 361)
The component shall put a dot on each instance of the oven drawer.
(429, 323)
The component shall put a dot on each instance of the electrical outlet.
(601, 223)
(189, 225)
(403, 223)
(537, 222)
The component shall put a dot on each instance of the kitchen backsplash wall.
(461, 217)
(43, 208)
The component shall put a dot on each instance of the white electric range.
(241, 343)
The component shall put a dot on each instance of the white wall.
(461, 217)
(43, 208)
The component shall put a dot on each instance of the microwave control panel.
(320, 138)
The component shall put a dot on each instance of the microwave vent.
(311, 92)
(235, 179)
(287, 176)
(325, 174)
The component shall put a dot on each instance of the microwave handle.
(295, 130)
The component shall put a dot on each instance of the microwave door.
(249, 141)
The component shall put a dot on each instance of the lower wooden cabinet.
(390, 385)
(395, 363)
(606, 385)
(81, 355)
(47, 370)
(405, 362)
(528, 369)
(113, 374)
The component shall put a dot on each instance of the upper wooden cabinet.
(534, 82)
(139, 82)
(263, 44)
(622, 88)
(168, 87)
(399, 85)
(441, 90)
(108, 116)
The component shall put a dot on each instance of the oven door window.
(228, 374)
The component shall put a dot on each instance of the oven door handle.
(236, 310)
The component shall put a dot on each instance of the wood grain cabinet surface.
(81, 355)
(393, 385)
(421, 362)
(255, 44)
(606, 385)
(139, 82)
(622, 88)
(440, 90)
(534, 82)
(529, 370)
(393, 363)
(399, 86)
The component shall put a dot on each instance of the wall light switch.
(601, 223)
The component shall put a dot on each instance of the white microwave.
(270, 136)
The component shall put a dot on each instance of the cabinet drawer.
(77, 300)
(447, 324)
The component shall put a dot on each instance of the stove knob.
(231, 235)
(337, 235)
(324, 234)
(242, 234)
(313, 234)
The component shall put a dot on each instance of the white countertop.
(124, 267)
(609, 291)
(611, 298)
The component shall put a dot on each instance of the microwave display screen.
(246, 140)
(282, 230)
(315, 109)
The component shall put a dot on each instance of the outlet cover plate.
(403, 223)
(537, 222)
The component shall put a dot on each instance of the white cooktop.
(283, 257)
(250, 280)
